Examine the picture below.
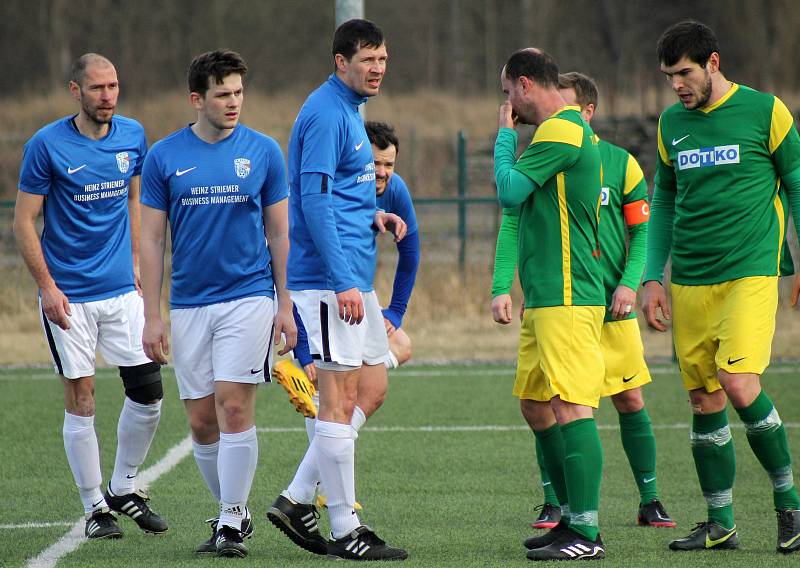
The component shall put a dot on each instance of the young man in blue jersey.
(222, 187)
(87, 168)
(393, 197)
(333, 218)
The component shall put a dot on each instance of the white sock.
(135, 431)
(391, 361)
(335, 449)
(304, 484)
(236, 464)
(205, 455)
(83, 455)
(357, 421)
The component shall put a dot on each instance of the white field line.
(34, 525)
(490, 428)
(450, 372)
(410, 372)
(75, 537)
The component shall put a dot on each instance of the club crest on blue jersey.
(123, 162)
(242, 166)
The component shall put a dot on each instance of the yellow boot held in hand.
(296, 383)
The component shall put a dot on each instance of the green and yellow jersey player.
(623, 215)
(555, 184)
(725, 151)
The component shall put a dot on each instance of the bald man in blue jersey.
(333, 218)
(86, 169)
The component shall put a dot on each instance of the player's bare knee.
(628, 401)
(741, 388)
(143, 383)
(82, 405)
(538, 415)
(79, 397)
(402, 349)
(702, 402)
(204, 427)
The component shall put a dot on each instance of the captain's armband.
(637, 212)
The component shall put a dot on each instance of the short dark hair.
(536, 65)
(583, 85)
(78, 71)
(690, 39)
(382, 135)
(217, 64)
(355, 34)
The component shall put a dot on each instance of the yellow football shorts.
(726, 326)
(623, 353)
(559, 354)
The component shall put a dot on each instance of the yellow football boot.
(298, 386)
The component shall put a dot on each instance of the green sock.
(767, 438)
(640, 447)
(715, 461)
(552, 445)
(547, 486)
(583, 470)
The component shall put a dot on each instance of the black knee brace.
(142, 382)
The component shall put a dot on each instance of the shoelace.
(700, 525)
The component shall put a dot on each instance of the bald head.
(534, 64)
(84, 62)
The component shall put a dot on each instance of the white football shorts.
(332, 341)
(113, 325)
(228, 341)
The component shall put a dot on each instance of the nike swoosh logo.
(96, 504)
(648, 480)
(179, 173)
(732, 361)
(256, 371)
(628, 379)
(711, 543)
(679, 140)
(71, 171)
(358, 146)
(130, 476)
(790, 542)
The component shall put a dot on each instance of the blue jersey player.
(86, 169)
(332, 213)
(393, 197)
(222, 188)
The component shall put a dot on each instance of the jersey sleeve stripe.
(780, 124)
(559, 130)
(781, 229)
(662, 151)
(633, 175)
(566, 260)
